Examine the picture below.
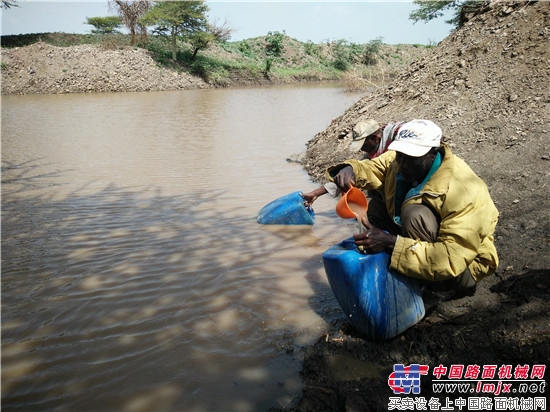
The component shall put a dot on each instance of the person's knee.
(419, 222)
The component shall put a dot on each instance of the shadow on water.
(97, 289)
(322, 301)
(22, 175)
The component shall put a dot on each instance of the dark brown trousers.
(418, 222)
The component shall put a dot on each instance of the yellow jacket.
(461, 199)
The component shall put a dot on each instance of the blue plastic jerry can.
(287, 210)
(378, 302)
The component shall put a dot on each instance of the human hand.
(374, 240)
(345, 178)
(309, 198)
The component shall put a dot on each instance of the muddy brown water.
(134, 274)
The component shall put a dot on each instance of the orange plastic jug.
(352, 204)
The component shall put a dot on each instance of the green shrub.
(354, 52)
(274, 43)
(311, 48)
(201, 68)
(370, 52)
(245, 48)
(342, 55)
(268, 64)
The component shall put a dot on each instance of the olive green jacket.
(462, 201)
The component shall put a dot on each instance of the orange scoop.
(353, 204)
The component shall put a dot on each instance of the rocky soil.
(42, 68)
(486, 85)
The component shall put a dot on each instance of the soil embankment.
(114, 66)
(45, 69)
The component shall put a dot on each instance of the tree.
(104, 25)
(6, 4)
(179, 18)
(199, 40)
(131, 12)
(429, 9)
(214, 32)
(221, 31)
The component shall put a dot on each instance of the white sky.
(317, 21)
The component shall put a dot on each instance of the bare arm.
(310, 197)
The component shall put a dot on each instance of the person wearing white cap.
(367, 136)
(437, 218)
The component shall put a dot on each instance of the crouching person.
(437, 218)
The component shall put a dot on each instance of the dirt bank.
(41, 68)
(114, 66)
(486, 85)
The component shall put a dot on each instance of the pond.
(134, 273)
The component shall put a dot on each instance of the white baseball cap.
(417, 137)
(361, 131)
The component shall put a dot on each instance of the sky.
(317, 21)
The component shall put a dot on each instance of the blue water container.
(287, 210)
(378, 302)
